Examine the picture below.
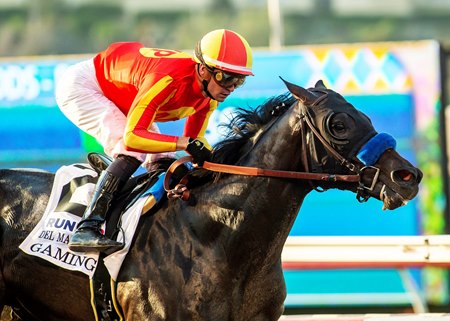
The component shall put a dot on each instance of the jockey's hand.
(198, 151)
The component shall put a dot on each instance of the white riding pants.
(82, 101)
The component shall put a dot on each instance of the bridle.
(181, 191)
(306, 122)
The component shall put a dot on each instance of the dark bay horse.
(220, 257)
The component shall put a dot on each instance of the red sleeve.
(197, 123)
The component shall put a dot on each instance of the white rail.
(358, 252)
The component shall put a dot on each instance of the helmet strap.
(205, 89)
(205, 84)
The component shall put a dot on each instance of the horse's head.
(340, 139)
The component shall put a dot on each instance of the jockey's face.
(218, 92)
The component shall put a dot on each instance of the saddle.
(99, 162)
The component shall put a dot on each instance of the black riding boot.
(88, 236)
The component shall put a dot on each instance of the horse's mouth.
(391, 200)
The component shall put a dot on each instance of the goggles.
(225, 79)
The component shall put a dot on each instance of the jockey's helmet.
(225, 50)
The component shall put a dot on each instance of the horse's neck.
(258, 212)
(263, 213)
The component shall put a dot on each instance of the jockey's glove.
(199, 152)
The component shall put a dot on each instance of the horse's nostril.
(407, 176)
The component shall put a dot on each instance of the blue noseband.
(375, 147)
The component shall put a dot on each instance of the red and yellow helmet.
(225, 50)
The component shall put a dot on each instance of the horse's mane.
(244, 124)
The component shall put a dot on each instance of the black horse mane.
(246, 122)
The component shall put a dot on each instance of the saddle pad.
(71, 192)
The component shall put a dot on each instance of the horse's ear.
(300, 93)
(320, 84)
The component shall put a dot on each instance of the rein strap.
(249, 171)
(256, 171)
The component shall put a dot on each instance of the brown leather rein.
(181, 191)
(256, 171)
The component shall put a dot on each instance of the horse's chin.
(392, 200)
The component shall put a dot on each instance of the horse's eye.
(338, 127)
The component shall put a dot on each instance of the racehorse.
(218, 257)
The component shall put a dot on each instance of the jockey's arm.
(141, 116)
(197, 124)
(143, 113)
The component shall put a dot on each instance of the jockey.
(118, 95)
